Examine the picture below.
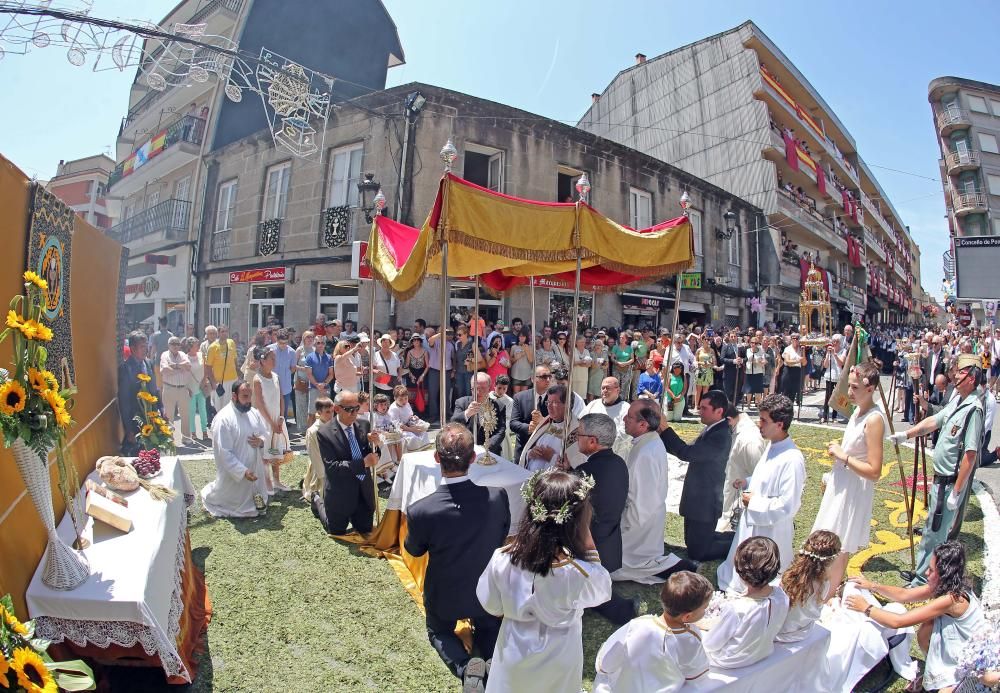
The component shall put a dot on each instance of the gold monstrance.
(815, 297)
(488, 420)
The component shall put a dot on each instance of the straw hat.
(382, 338)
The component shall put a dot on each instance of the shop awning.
(505, 240)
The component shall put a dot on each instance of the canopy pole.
(666, 368)
(575, 318)
(442, 337)
(475, 373)
(371, 388)
(533, 343)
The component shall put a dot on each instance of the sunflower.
(37, 380)
(28, 329)
(13, 623)
(146, 430)
(158, 421)
(13, 319)
(63, 418)
(50, 380)
(12, 398)
(143, 378)
(54, 399)
(32, 674)
(32, 278)
(4, 668)
(44, 333)
(165, 430)
(146, 397)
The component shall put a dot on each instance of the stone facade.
(530, 154)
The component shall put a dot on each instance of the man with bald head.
(612, 405)
(472, 412)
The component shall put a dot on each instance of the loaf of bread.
(117, 473)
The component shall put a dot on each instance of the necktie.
(355, 448)
(540, 402)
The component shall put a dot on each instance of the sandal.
(916, 685)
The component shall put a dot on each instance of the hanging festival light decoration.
(685, 203)
(583, 188)
(448, 155)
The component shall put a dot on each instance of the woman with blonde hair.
(846, 508)
(706, 365)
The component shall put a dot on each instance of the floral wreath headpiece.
(539, 513)
(816, 556)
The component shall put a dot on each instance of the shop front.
(463, 302)
(643, 311)
(267, 296)
(338, 301)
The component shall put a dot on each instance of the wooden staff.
(575, 326)
(475, 373)
(670, 351)
(902, 475)
(371, 391)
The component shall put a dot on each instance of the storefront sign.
(650, 302)
(266, 274)
(691, 280)
(359, 261)
(846, 293)
(147, 287)
(549, 283)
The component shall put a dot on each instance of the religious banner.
(50, 239)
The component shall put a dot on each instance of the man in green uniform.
(961, 426)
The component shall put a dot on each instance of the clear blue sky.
(871, 61)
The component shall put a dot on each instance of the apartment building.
(280, 232)
(82, 184)
(176, 116)
(734, 110)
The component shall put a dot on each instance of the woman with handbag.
(415, 368)
(200, 389)
(267, 400)
(300, 380)
(385, 365)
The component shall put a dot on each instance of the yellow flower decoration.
(165, 430)
(32, 278)
(44, 332)
(13, 624)
(158, 421)
(143, 377)
(37, 380)
(4, 668)
(32, 329)
(12, 398)
(50, 379)
(54, 399)
(13, 319)
(63, 418)
(145, 396)
(146, 430)
(32, 674)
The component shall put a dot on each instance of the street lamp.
(685, 203)
(583, 188)
(365, 188)
(731, 226)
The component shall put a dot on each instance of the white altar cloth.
(133, 594)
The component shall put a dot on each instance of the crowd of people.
(591, 422)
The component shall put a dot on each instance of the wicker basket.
(65, 568)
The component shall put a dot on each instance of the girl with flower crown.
(541, 583)
(807, 584)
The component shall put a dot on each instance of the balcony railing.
(952, 118)
(185, 129)
(814, 221)
(962, 160)
(170, 217)
(221, 243)
(968, 203)
(268, 236)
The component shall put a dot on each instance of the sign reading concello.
(265, 274)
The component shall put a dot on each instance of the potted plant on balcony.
(34, 418)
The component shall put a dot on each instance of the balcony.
(221, 244)
(900, 272)
(959, 161)
(871, 241)
(968, 203)
(952, 119)
(168, 218)
(175, 145)
(268, 236)
(811, 221)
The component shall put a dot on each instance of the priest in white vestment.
(774, 493)
(611, 404)
(748, 449)
(645, 509)
(238, 433)
(545, 444)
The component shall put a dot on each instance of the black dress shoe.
(682, 564)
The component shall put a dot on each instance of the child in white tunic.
(744, 632)
(414, 430)
(807, 584)
(658, 653)
(390, 452)
(541, 590)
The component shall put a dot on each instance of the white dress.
(647, 655)
(230, 494)
(270, 389)
(402, 416)
(803, 617)
(744, 632)
(645, 513)
(846, 508)
(776, 488)
(540, 646)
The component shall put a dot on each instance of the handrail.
(169, 215)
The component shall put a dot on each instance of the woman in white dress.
(540, 584)
(807, 584)
(581, 367)
(846, 509)
(267, 400)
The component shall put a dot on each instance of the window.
(734, 248)
(267, 305)
(843, 272)
(276, 191)
(345, 173)
(100, 189)
(996, 226)
(339, 301)
(640, 209)
(152, 199)
(226, 206)
(218, 305)
(182, 190)
(994, 183)
(566, 178)
(694, 217)
(483, 166)
(977, 104)
(90, 188)
(988, 143)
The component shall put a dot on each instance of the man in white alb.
(774, 493)
(748, 448)
(645, 509)
(238, 433)
(612, 405)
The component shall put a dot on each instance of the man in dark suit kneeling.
(459, 526)
(595, 436)
(345, 445)
(701, 498)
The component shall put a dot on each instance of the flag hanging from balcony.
(821, 180)
(791, 150)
